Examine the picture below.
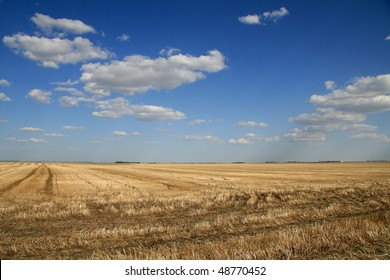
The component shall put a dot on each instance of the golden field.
(195, 211)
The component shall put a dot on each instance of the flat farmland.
(194, 211)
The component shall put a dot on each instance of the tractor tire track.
(49, 184)
(18, 182)
(157, 239)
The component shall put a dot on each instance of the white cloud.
(266, 16)
(371, 136)
(169, 51)
(136, 133)
(119, 133)
(123, 38)
(364, 95)
(343, 109)
(208, 138)
(40, 96)
(137, 74)
(252, 124)
(35, 140)
(3, 121)
(32, 140)
(48, 24)
(153, 113)
(196, 122)
(276, 14)
(54, 135)
(72, 91)
(250, 19)
(330, 85)
(113, 108)
(71, 101)
(241, 141)
(71, 127)
(327, 116)
(29, 128)
(53, 52)
(69, 82)
(305, 135)
(4, 83)
(4, 97)
(118, 107)
(387, 37)
(255, 137)
(16, 140)
(250, 138)
(359, 127)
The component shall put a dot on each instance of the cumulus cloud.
(364, 95)
(40, 96)
(72, 91)
(344, 108)
(119, 133)
(69, 82)
(371, 136)
(32, 140)
(48, 24)
(54, 135)
(169, 51)
(123, 38)
(208, 138)
(250, 138)
(250, 19)
(241, 141)
(325, 116)
(274, 16)
(36, 140)
(31, 129)
(330, 85)
(137, 74)
(71, 101)
(117, 107)
(53, 52)
(4, 83)
(305, 135)
(136, 133)
(72, 127)
(359, 127)
(4, 97)
(252, 124)
(255, 137)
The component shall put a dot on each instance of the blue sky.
(194, 81)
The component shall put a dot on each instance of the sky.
(194, 81)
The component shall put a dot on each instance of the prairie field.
(194, 211)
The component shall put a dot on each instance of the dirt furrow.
(151, 241)
(49, 182)
(18, 182)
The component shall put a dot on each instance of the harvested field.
(195, 211)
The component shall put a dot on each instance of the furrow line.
(17, 182)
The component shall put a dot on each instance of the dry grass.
(219, 211)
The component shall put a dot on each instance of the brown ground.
(194, 211)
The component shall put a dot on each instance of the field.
(195, 211)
